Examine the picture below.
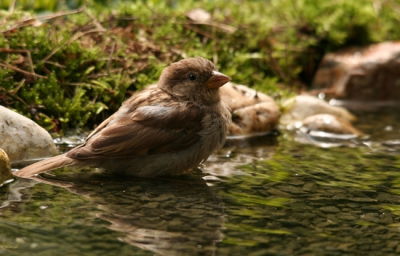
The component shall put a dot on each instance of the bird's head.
(194, 79)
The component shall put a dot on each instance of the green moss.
(85, 75)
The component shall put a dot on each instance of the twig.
(12, 6)
(117, 70)
(76, 36)
(5, 64)
(30, 21)
(110, 57)
(18, 87)
(12, 50)
(59, 14)
(200, 31)
(95, 21)
(275, 65)
(13, 93)
(215, 58)
(78, 84)
(28, 53)
(126, 18)
(136, 70)
(21, 100)
(227, 28)
(114, 58)
(54, 63)
(88, 25)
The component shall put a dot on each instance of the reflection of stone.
(168, 217)
(22, 138)
(364, 73)
(11, 193)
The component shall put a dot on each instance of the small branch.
(200, 31)
(30, 21)
(113, 59)
(110, 57)
(95, 21)
(13, 93)
(226, 28)
(275, 65)
(75, 37)
(19, 99)
(12, 50)
(12, 7)
(59, 14)
(94, 76)
(77, 84)
(215, 58)
(18, 87)
(5, 64)
(54, 63)
(28, 53)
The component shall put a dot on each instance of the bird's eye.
(192, 77)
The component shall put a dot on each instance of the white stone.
(23, 139)
(298, 108)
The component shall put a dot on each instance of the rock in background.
(314, 121)
(252, 111)
(303, 108)
(362, 73)
(22, 139)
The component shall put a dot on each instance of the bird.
(161, 131)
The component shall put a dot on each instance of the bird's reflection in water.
(171, 216)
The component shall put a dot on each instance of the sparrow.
(164, 130)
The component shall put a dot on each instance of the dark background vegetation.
(70, 64)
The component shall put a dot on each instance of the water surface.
(268, 195)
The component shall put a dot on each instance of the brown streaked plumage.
(164, 130)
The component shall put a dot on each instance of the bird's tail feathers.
(45, 165)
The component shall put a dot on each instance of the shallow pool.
(268, 195)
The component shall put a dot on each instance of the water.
(267, 195)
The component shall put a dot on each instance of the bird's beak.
(217, 80)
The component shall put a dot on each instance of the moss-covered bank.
(72, 68)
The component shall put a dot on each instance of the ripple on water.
(267, 195)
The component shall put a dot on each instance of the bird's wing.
(147, 130)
